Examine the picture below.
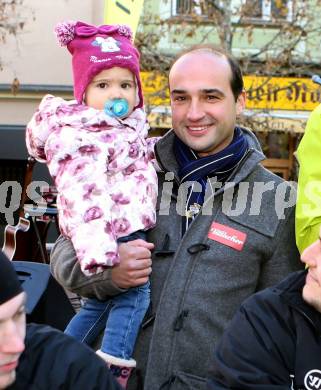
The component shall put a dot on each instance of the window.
(253, 10)
(193, 7)
(268, 10)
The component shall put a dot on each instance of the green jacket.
(308, 207)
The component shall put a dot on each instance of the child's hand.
(135, 264)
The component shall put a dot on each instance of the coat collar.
(164, 150)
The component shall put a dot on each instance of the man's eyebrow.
(205, 90)
(22, 304)
(178, 91)
(213, 90)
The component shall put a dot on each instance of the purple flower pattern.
(120, 198)
(88, 150)
(93, 213)
(90, 190)
(121, 225)
(133, 151)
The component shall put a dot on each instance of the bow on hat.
(66, 31)
(86, 30)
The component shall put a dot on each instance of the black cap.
(10, 285)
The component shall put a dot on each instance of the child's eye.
(102, 85)
(126, 85)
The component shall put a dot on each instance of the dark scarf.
(219, 165)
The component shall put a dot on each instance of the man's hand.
(135, 264)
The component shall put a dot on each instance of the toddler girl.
(102, 165)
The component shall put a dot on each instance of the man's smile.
(198, 130)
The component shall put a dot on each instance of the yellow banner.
(282, 93)
(123, 12)
(155, 88)
(274, 93)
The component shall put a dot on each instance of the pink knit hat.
(94, 49)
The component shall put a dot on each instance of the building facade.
(277, 43)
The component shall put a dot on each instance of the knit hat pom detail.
(123, 29)
(65, 32)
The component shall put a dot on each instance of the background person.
(37, 356)
(273, 342)
(102, 165)
(199, 279)
(308, 215)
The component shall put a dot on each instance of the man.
(274, 342)
(37, 356)
(208, 256)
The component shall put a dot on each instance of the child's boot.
(120, 368)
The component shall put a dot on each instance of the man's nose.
(311, 254)
(13, 340)
(195, 111)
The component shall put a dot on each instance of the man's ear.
(240, 103)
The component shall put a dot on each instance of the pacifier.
(117, 108)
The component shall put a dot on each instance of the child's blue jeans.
(121, 316)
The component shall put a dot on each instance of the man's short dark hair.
(237, 84)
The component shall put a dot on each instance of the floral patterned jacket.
(104, 172)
